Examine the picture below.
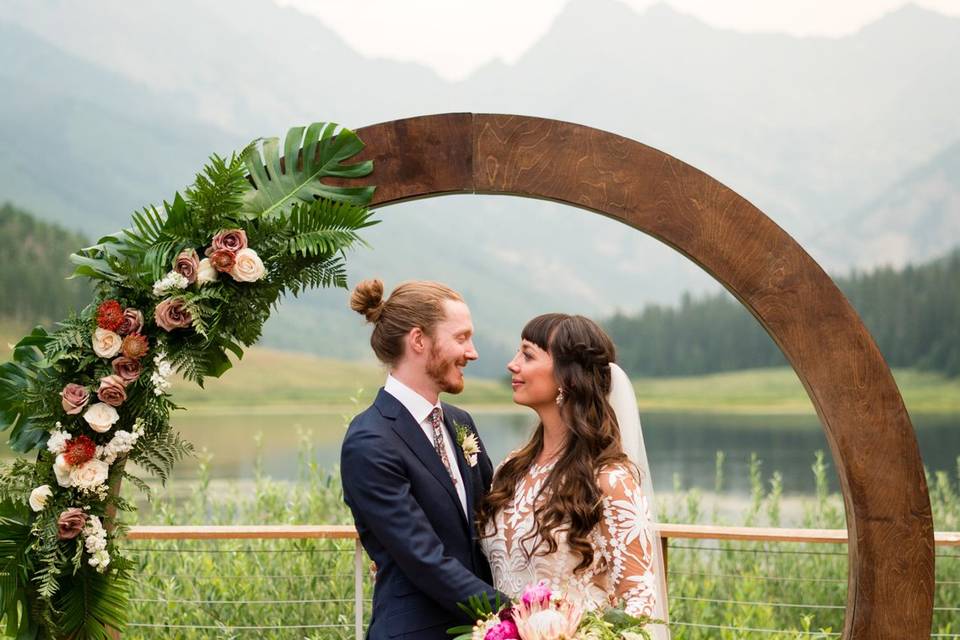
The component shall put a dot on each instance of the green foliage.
(35, 268)
(913, 314)
(301, 242)
(317, 152)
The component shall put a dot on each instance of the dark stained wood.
(874, 448)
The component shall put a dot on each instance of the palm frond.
(92, 603)
(310, 154)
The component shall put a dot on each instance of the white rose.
(106, 343)
(39, 496)
(248, 267)
(62, 470)
(101, 417)
(90, 475)
(206, 273)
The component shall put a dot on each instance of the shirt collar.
(418, 406)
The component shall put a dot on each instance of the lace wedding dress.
(623, 565)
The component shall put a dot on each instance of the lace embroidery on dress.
(622, 546)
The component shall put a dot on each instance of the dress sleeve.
(627, 540)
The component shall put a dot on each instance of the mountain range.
(851, 144)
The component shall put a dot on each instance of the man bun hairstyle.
(367, 299)
(416, 303)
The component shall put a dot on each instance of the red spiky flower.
(110, 315)
(79, 450)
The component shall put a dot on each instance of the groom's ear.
(416, 341)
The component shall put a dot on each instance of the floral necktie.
(439, 443)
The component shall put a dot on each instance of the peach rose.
(89, 475)
(247, 266)
(106, 343)
(101, 417)
(206, 273)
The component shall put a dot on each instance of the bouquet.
(544, 614)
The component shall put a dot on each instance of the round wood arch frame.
(889, 520)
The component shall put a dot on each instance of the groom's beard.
(444, 373)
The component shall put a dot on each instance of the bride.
(572, 506)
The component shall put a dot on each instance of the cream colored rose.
(106, 343)
(248, 266)
(90, 475)
(101, 417)
(39, 497)
(206, 273)
(62, 470)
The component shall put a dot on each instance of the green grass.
(269, 379)
(726, 584)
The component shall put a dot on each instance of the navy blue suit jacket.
(411, 522)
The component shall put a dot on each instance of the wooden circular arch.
(889, 521)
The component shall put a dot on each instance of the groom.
(405, 477)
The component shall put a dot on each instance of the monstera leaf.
(309, 155)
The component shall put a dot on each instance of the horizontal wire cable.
(748, 603)
(770, 551)
(314, 601)
(752, 629)
(160, 625)
(307, 576)
(744, 577)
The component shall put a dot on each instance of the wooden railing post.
(358, 590)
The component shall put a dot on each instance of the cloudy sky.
(454, 37)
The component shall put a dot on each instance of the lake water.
(677, 443)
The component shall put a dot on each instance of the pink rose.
(112, 390)
(538, 593)
(247, 266)
(505, 630)
(132, 322)
(74, 398)
(71, 523)
(187, 264)
(232, 240)
(127, 369)
(172, 314)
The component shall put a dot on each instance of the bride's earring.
(559, 396)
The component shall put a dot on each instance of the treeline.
(33, 284)
(913, 314)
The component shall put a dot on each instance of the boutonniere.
(468, 443)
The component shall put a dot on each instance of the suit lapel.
(409, 431)
(465, 469)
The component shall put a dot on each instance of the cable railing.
(350, 608)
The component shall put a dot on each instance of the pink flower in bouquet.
(172, 314)
(74, 398)
(541, 616)
(504, 630)
(233, 240)
(132, 322)
(187, 264)
(537, 593)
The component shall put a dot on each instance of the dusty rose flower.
(223, 260)
(74, 398)
(112, 390)
(132, 322)
(127, 369)
(232, 240)
(172, 314)
(101, 417)
(206, 273)
(134, 346)
(187, 264)
(71, 523)
(247, 266)
(106, 343)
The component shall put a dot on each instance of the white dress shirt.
(420, 408)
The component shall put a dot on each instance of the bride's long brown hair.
(582, 353)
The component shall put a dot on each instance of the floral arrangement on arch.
(187, 284)
(546, 614)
